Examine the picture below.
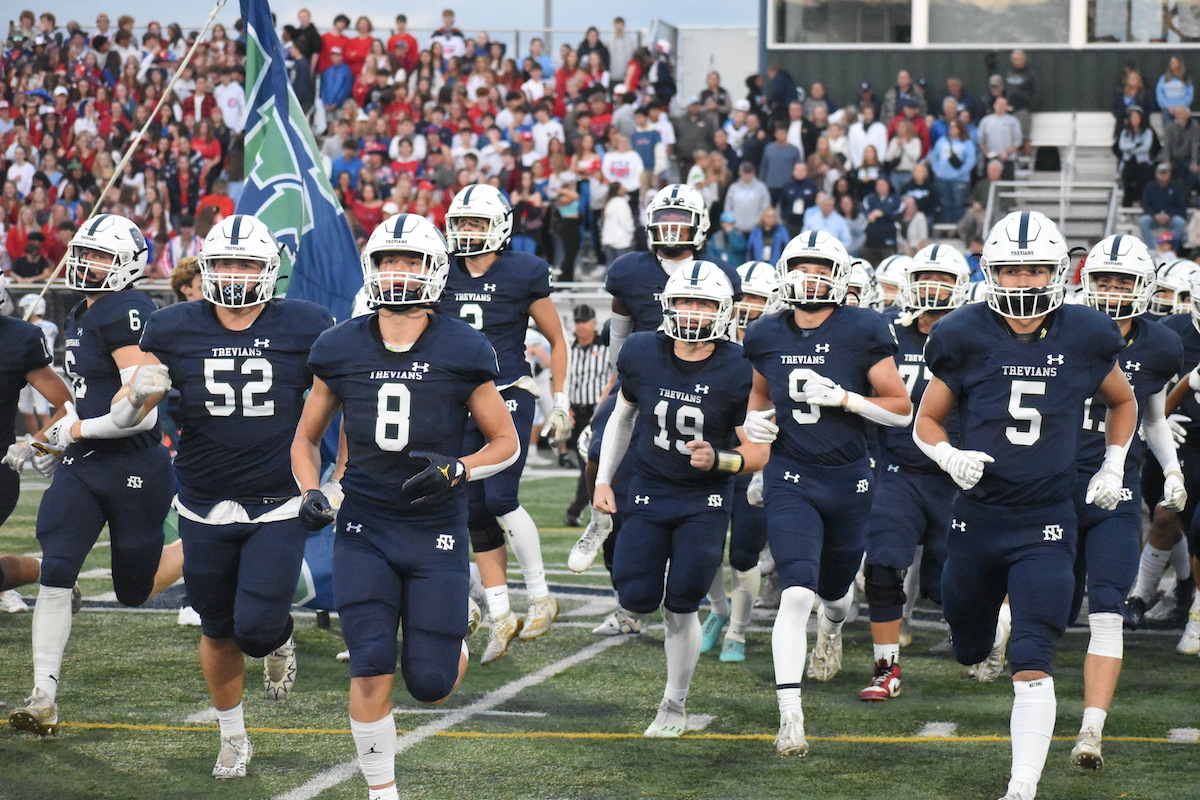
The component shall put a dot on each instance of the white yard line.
(1184, 735)
(343, 772)
(938, 729)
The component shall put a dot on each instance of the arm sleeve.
(1158, 432)
(617, 434)
(619, 327)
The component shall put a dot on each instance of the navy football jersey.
(637, 280)
(1150, 316)
(114, 321)
(1151, 358)
(843, 349)
(681, 401)
(241, 394)
(1021, 402)
(1185, 327)
(395, 403)
(25, 350)
(910, 363)
(497, 303)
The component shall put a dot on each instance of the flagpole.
(132, 146)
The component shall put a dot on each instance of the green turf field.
(561, 717)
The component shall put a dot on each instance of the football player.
(108, 474)
(685, 388)
(813, 364)
(406, 379)
(889, 277)
(239, 359)
(1118, 279)
(1020, 370)
(497, 290)
(912, 504)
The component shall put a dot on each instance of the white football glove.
(558, 425)
(1176, 423)
(1104, 489)
(151, 379)
(58, 435)
(1174, 491)
(964, 466)
(1194, 380)
(821, 391)
(759, 428)
(46, 463)
(19, 454)
(754, 492)
(332, 489)
(584, 444)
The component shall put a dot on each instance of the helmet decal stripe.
(812, 239)
(1023, 231)
(398, 230)
(467, 196)
(1116, 247)
(236, 233)
(695, 279)
(96, 224)
(933, 253)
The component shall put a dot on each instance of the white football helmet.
(479, 201)
(799, 288)
(759, 280)
(700, 280)
(1127, 257)
(1025, 238)
(239, 237)
(918, 296)
(977, 292)
(1172, 292)
(676, 219)
(889, 277)
(6, 306)
(860, 289)
(397, 286)
(114, 236)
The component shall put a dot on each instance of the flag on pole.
(286, 185)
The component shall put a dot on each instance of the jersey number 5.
(1018, 435)
(228, 397)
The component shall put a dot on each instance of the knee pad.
(1107, 639)
(485, 538)
(260, 648)
(885, 586)
(429, 685)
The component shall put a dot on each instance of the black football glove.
(442, 475)
(315, 511)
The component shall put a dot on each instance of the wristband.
(729, 461)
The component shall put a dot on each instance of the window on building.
(843, 21)
(998, 21)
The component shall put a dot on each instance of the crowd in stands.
(578, 139)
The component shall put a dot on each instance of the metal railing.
(1051, 191)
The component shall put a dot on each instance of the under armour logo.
(791, 476)
(715, 501)
(641, 500)
(489, 287)
(354, 527)
(701, 388)
(1133, 366)
(957, 525)
(893, 467)
(1052, 533)
(1054, 359)
(420, 366)
(68, 461)
(1126, 494)
(262, 342)
(445, 542)
(822, 348)
(863, 486)
(133, 482)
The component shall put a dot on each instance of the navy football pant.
(131, 492)
(10, 490)
(498, 495)
(1107, 551)
(747, 528)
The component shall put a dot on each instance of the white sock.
(527, 547)
(718, 600)
(833, 613)
(1094, 717)
(387, 793)
(887, 652)
(232, 721)
(497, 601)
(789, 644)
(1031, 726)
(476, 584)
(741, 604)
(1150, 571)
(376, 746)
(682, 645)
(51, 630)
(1179, 560)
(912, 583)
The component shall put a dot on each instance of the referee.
(587, 373)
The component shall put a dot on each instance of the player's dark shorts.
(10, 490)
(131, 492)
(1106, 552)
(911, 508)
(747, 529)
(1189, 464)
(817, 522)
(498, 495)
(241, 578)
(668, 523)
(389, 573)
(1027, 553)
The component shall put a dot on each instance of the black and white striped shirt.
(587, 372)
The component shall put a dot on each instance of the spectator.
(693, 131)
(666, 131)
(921, 189)
(779, 91)
(219, 198)
(1182, 146)
(903, 153)
(528, 215)
(714, 99)
(912, 226)
(721, 145)
(624, 118)
(231, 99)
(822, 217)
(367, 208)
(349, 162)
(726, 242)
(539, 56)
(1164, 250)
(964, 99)
(746, 199)
(867, 131)
(1136, 149)
(1164, 205)
(620, 49)
(661, 75)
(839, 144)
(800, 131)
(851, 211)
(184, 187)
(617, 228)
(183, 245)
(624, 166)
(407, 44)
(904, 90)
(452, 40)
(591, 44)
(767, 238)
(1021, 91)
(818, 99)
(882, 209)
(869, 171)
(778, 159)
(798, 197)
(941, 125)
(331, 39)
(545, 128)
(336, 81)
(1174, 88)
(953, 161)
(564, 196)
(1000, 137)
(754, 141)
(1132, 93)
(32, 266)
(21, 171)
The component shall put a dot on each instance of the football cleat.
(943, 648)
(39, 715)
(76, 599)
(503, 631)
(733, 651)
(1086, 752)
(618, 623)
(542, 611)
(584, 551)
(886, 683)
(188, 618)
(772, 590)
(474, 616)
(669, 722)
(992, 667)
(710, 631)
(1020, 790)
(790, 740)
(343, 657)
(12, 602)
(1133, 612)
(233, 757)
(826, 659)
(1189, 643)
(905, 633)
(279, 670)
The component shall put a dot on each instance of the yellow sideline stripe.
(754, 737)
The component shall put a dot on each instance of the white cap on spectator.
(741, 105)
(663, 46)
(60, 90)
(39, 305)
